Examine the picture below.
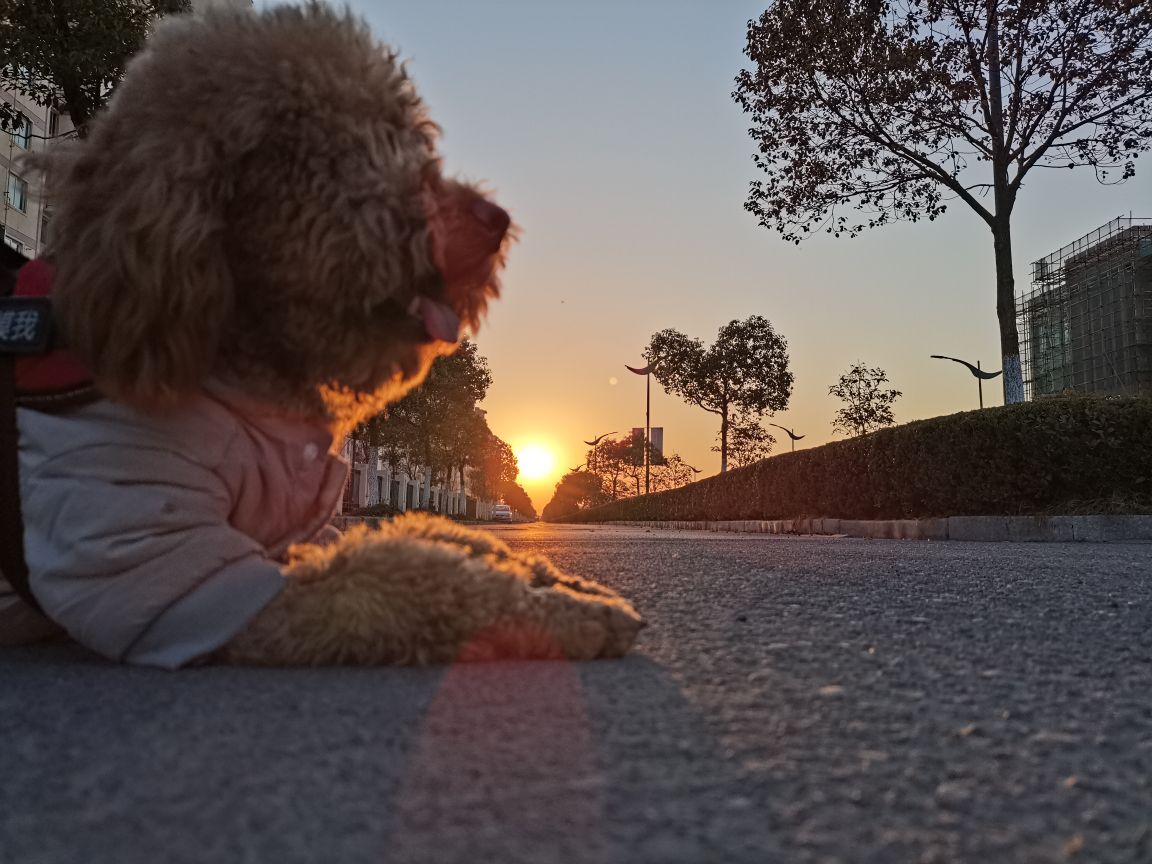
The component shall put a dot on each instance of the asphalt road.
(793, 700)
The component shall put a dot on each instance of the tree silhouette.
(889, 106)
(867, 407)
(516, 498)
(439, 426)
(495, 470)
(577, 490)
(748, 441)
(619, 465)
(745, 372)
(672, 474)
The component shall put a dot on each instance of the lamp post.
(647, 373)
(980, 375)
(598, 439)
(791, 435)
(592, 453)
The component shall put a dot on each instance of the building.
(373, 480)
(1086, 320)
(24, 222)
(25, 218)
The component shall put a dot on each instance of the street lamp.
(980, 375)
(598, 439)
(647, 373)
(791, 435)
(592, 453)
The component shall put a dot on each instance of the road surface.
(793, 700)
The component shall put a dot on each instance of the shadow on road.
(493, 762)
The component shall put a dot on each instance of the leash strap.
(12, 562)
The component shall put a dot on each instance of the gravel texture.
(792, 700)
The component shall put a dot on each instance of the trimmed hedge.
(1062, 455)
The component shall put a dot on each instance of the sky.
(607, 129)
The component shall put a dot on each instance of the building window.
(22, 135)
(53, 122)
(17, 193)
(44, 221)
(14, 243)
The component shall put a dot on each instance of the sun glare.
(535, 460)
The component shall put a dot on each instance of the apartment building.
(373, 480)
(25, 218)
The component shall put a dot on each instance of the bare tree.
(867, 407)
(894, 107)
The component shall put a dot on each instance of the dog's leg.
(379, 598)
(424, 527)
(543, 572)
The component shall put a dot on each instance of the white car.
(501, 513)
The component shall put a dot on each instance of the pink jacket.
(154, 539)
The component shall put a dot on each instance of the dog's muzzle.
(465, 242)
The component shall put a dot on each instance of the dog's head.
(262, 202)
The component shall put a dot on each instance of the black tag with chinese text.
(25, 325)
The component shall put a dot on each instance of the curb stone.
(986, 529)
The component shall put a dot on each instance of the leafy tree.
(438, 424)
(467, 441)
(495, 468)
(672, 474)
(609, 459)
(577, 490)
(461, 378)
(744, 372)
(515, 497)
(632, 467)
(867, 406)
(428, 416)
(71, 54)
(748, 441)
(895, 107)
(619, 464)
(447, 403)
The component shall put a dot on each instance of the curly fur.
(422, 590)
(261, 204)
(267, 242)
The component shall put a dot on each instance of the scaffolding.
(1085, 322)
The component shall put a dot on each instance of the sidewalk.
(1018, 529)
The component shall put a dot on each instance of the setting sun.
(535, 460)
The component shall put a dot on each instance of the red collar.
(58, 371)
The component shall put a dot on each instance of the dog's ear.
(143, 285)
(265, 154)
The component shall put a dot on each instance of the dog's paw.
(545, 574)
(560, 623)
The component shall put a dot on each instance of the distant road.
(793, 700)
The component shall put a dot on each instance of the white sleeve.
(130, 550)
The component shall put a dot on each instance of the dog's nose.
(492, 217)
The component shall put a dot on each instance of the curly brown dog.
(254, 248)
